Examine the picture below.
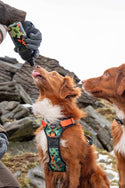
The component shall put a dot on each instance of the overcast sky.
(85, 36)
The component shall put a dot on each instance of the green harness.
(53, 133)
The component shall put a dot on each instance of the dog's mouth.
(96, 92)
(36, 74)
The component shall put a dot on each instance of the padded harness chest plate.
(53, 133)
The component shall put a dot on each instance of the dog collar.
(64, 123)
(122, 122)
(53, 133)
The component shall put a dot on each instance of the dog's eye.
(106, 74)
(53, 74)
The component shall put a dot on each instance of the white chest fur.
(120, 147)
(119, 113)
(41, 142)
(49, 113)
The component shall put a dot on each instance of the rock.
(23, 95)
(18, 148)
(7, 70)
(11, 91)
(101, 126)
(12, 110)
(18, 174)
(85, 100)
(53, 65)
(24, 78)
(19, 112)
(36, 177)
(98, 117)
(8, 91)
(7, 106)
(21, 130)
(105, 138)
(9, 60)
(90, 131)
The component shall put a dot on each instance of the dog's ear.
(121, 87)
(68, 90)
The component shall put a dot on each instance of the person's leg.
(7, 179)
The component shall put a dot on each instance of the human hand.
(34, 38)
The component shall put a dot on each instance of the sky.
(85, 36)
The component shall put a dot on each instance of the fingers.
(32, 46)
(36, 53)
(33, 42)
(36, 36)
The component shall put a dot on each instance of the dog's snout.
(37, 67)
(83, 82)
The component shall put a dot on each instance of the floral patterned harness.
(53, 133)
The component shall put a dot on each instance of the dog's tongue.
(35, 74)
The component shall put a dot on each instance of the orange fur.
(111, 86)
(82, 169)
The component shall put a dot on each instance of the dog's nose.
(83, 81)
(37, 67)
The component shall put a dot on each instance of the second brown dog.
(111, 86)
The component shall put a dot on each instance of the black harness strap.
(53, 133)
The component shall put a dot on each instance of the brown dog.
(57, 108)
(111, 86)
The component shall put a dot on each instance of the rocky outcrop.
(8, 67)
(8, 91)
(24, 78)
(101, 127)
(17, 90)
(36, 177)
(12, 110)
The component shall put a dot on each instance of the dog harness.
(53, 133)
(89, 139)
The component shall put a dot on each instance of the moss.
(26, 131)
(26, 161)
(110, 158)
(88, 133)
(109, 163)
(9, 120)
(102, 151)
(107, 111)
(37, 120)
(21, 163)
(114, 183)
